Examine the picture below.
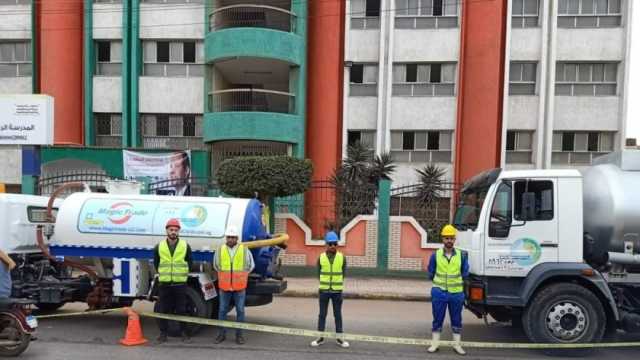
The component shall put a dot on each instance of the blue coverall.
(440, 299)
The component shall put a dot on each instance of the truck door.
(522, 227)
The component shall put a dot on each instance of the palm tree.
(431, 184)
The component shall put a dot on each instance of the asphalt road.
(96, 337)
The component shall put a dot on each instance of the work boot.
(342, 343)
(162, 338)
(220, 338)
(239, 339)
(456, 345)
(435, 342)
(317, 342)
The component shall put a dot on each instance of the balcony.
(252, 100)
(252, 16)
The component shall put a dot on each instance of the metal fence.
(50, 182)
(431, 212)
(193, 186)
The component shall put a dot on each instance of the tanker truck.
(555, 251)
(98, 247)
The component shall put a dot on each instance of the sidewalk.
(365, 288)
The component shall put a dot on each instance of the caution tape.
(80, 313)
(354, 337)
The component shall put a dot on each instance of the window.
(419, 79)
(426, 14)
(501, 213)
(173, 1)
(108, 58)
(15, 2)
(108, 1)
(365, 14)
(586, 79)
(580, 148)
(421, 146)
(15, 59)
(524, 13)
(173, 131)
(589, 13)
(519, 147)
(173, 58)
(363, 80)
(522, 78)
(365, 137)
(541, 194)
(108, 129)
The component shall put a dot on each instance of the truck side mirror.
(528, 206)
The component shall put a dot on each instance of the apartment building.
(565, 79)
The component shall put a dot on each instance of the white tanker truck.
(98, 248)
(555, 251)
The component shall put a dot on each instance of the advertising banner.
(169, 173)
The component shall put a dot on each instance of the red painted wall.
(480, 89)
(59, 56)
(324, 102)
(410, 245)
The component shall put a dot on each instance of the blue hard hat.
(331, 237)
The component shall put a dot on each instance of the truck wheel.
(197, 306)
(564, 313)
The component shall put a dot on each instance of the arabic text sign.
(26, 120)
(145, 217)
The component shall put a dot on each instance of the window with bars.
(174, 131)
(108, 58)
(365, 137)
(589, 13)
(108, 129)
(580, 147)
(524, 13)
(15, 58)
(586, 79)
(15, 2)
(522, 78)
(363, 80)
(519, 147)
(418, 79)
(426, 14)
(421, 146)
(173, 58)
(365, 14)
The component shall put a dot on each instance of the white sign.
(173, 169)
(26, 120)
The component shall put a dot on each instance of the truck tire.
(197, 306)
(564, 313)
(49, 307)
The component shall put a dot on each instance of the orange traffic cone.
(133, 335)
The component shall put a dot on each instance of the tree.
(268, 176)
(431, 183)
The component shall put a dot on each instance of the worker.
(233, 262)
(448, 267)
(331, 270)
(172, 259)
(6, 265)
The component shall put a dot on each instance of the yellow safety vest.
(448, 275)
(173, 269)
(232, 276)
(331, 274)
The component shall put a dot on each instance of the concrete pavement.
(366, 288)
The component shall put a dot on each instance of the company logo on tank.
(121, 212)
(193, 216)
(526, 251)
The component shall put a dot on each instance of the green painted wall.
(126, 72)
(255, 42)
(252, 126)
(384, 220)
(89, 70)
(300, 8)
(111, 159)
(135, 67)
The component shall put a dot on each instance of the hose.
(279, 240)
(51, 219)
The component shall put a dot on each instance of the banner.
(26, 120)
(168, 173)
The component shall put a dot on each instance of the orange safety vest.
(232, 276)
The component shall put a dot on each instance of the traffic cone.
(133, 336)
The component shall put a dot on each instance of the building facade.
(565, 68)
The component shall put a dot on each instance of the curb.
(362, 296)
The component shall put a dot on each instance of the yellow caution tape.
(80, 313)
(356, 337)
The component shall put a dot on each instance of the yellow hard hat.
(448, 230)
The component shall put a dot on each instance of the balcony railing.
(252, 100)
(248, 15)
(575, 157)
(173, 142)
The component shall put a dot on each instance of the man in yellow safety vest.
(233, 262)
(172, 259)
(331, 269)
(447, 268)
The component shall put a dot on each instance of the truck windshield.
(472, 197)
